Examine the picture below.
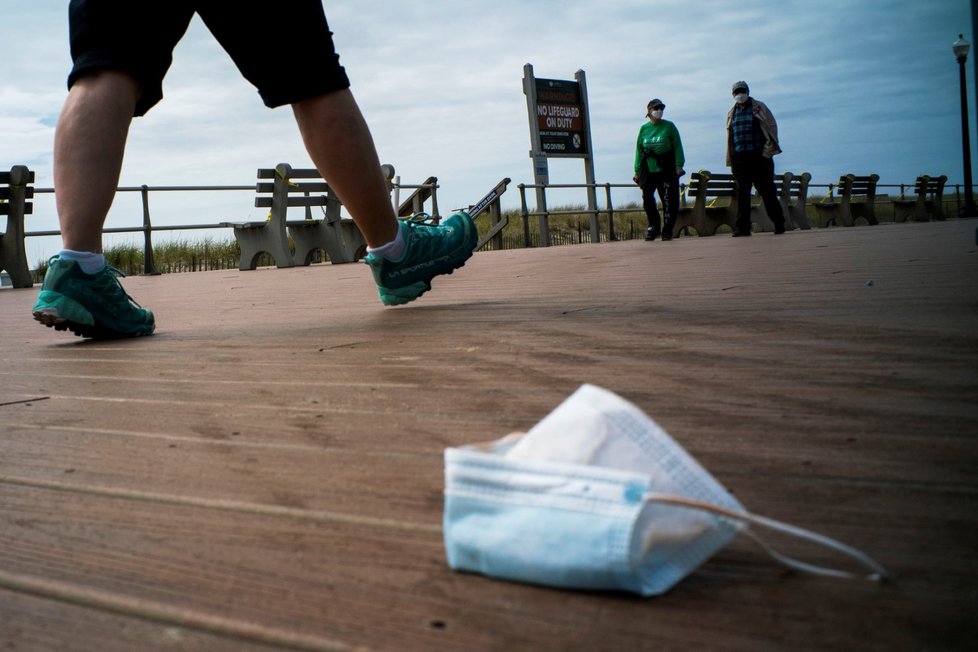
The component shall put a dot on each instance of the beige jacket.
(768, 127)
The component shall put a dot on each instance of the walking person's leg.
(79, 292)
(120, 52)
(764, 182)
(333, 123)
(403, 256)
(89, 144)
(651, 210)
(742, 170)
(670, 206)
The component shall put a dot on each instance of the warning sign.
(560, 117)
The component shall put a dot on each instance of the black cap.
(738, 85)
(656, 102)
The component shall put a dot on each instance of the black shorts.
(284, 48)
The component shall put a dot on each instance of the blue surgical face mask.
(596, 496)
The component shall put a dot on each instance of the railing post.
(543, 218)
(149, 265)
(525, 214)
(495, 217)
(434, 203)
(612, 236)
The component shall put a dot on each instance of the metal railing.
(594, 214)
(609, 210)
(147, 228)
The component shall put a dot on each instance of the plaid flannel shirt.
(746, 136)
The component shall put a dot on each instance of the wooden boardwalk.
(266, 472)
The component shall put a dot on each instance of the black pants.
(754, 169)
(667, 185)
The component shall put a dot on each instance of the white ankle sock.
(89, 261)
(394, 249)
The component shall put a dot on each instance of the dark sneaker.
(651, 234)
(90, 305)
(741, 234)
(779, 229)
(430, 251)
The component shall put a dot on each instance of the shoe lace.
(423, 226)
(116, 287)
(422, 218)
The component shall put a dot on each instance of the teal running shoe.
(430, 251)
(90, 305)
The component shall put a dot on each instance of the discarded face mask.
(596, 496)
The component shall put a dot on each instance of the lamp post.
(961, 47)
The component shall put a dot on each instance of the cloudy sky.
(856, 87)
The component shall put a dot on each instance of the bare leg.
(89, 145)
(342, 149)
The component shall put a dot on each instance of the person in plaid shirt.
(752, 142)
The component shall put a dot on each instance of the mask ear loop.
(878, 573)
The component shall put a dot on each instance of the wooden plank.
(5, 176)
(266, 202)
(265, 456)
(321, 187)
(32, 622)
(368, 587)
(5, 192)
(28, 208)
(297, 173)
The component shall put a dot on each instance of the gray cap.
(739, 85)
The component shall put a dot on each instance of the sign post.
(560, 127)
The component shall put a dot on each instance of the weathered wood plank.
(32, 622)
(252, 461)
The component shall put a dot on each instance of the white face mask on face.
(657, 114)
(741, 98)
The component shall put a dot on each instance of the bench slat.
(319, 200)
(5, 177)
(28, 208)
(304, 173)
(269, 186)
(5, 192)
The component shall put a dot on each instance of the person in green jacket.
(659, 162)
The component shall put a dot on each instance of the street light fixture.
(961, 47)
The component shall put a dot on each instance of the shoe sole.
(50, 317)
(393, 299)
(95, 332)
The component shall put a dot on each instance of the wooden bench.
(842, 211)
(277, 190)
(706, 217)
(15, 191)
(929, 203)
(793, 194)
